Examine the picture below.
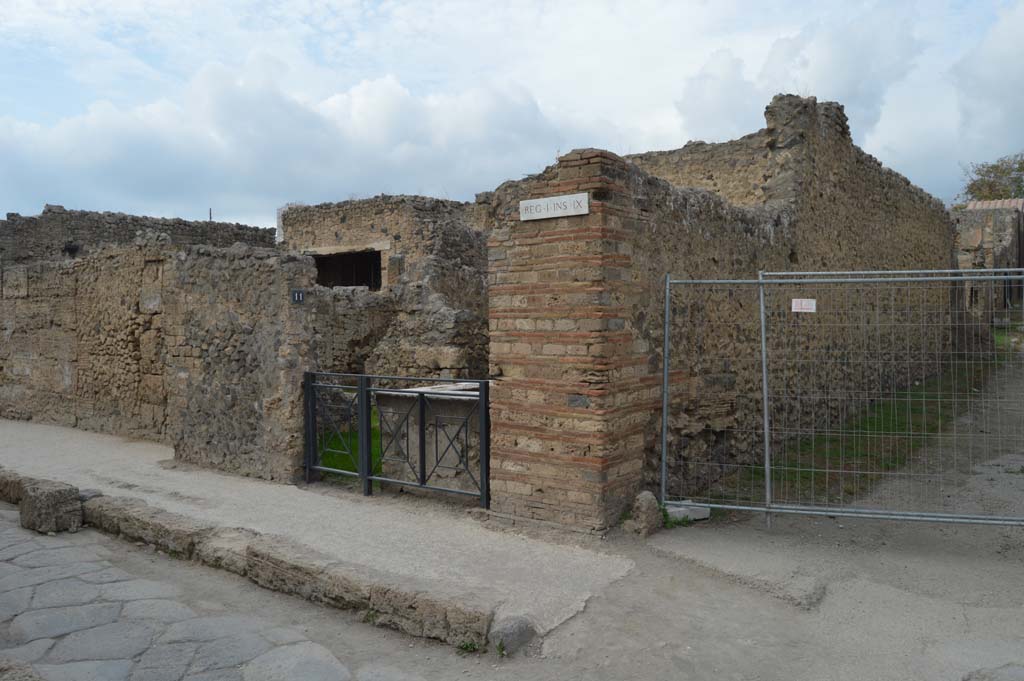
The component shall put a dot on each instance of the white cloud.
(990, 83)
(236, 141)
(174, 106)
(855, 60)
(715, 100)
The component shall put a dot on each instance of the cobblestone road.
(75, 617)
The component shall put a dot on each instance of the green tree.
(1000, 179)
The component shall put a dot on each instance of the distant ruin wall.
(198, 347)
(429, 318)
(58, 233)
(990, 238)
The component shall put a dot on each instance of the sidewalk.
(430, 546)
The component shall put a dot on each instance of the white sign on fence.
(805, 305)
(554, 207)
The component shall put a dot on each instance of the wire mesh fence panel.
(888, 394)
(715, 430)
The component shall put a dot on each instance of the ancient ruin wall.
(198, 347)
(429, 317)
(747, 171)
(759, 168)
(77, 345)
(576, 310)
(576, 328)
(236, 348)
(561, 350)
(989, 238)
(846, 212)
(58, 233)
(852, 211)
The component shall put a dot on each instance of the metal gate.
(425, 433)
(893, 394)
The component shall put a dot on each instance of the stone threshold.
(271, 561)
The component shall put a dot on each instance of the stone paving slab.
(117, 627)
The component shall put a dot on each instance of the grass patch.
(1008, 339)
(333, 448)
(886, 436)
(669, 522)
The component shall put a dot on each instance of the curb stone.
(275, 563)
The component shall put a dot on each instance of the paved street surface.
(75, 617)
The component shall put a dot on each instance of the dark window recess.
(349, 269)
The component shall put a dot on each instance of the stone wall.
(195, 346)
(990, 238)
(58, 233)
(236, 349)
(429, 318)
(74, 350)
(748, 171)
(576, 303)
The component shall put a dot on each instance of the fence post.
(309, 421)
(764, 406)
(421, 406)
(365, 435)
(664, 390)
(484, 409)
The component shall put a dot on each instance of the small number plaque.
(298, 296)
(805, 305)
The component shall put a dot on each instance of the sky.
(178, 107)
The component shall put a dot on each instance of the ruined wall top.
(773, 164)
(58, 232)
(357, 222)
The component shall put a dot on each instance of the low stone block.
(454, 620)
(49, 506)
(176, 534)
(107, 513)
(511, 634)
(684, 513)
(279, 564)
(225, 548)
(345, 587)
(134, 519)
(645, 517)
(468, 621)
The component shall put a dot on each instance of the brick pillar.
(566, 446)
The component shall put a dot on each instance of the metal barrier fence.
(878, 394)
(431, 434)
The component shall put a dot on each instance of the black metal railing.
(434, 435)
